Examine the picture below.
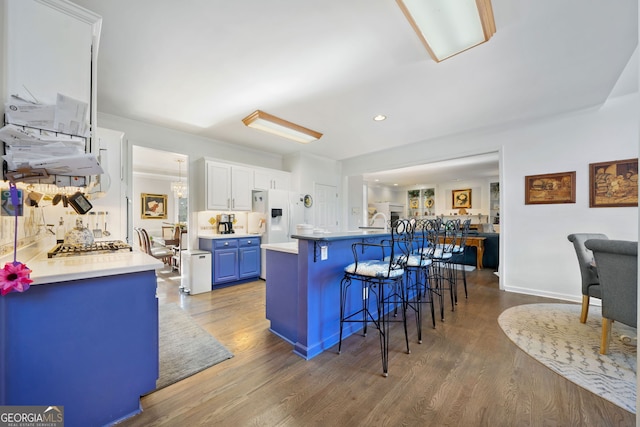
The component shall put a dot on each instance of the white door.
(326, 207)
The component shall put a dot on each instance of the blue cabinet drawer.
(249, 241)
(225, 243)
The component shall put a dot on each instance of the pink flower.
(14, 277)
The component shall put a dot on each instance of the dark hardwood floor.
(465, 373)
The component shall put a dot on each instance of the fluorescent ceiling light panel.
(448, 27)
(277, 126)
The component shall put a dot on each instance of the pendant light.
(179, 187)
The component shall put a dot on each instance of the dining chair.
(617, 265)
(588, 273)
(162, 253)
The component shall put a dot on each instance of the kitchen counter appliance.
(225, 223)
(107, 246)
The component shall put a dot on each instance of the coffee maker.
(225, 223)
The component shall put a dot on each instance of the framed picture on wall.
(153, 206)
(550, 188)
(613, 183)
(461, 198)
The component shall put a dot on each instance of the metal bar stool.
(417, 272)
(443, 274)
(458, 255)
(381, 277)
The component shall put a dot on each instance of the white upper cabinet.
(228, 187)
(241, 186)
(270, 179)
(42, 60)
(218, 186)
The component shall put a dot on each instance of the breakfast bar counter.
(303, 288)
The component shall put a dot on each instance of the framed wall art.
(154, 206)
(429, 201)
(550, 188)
(613, 183)
(461, 198)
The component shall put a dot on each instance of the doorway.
(326, 207)
(156, 174)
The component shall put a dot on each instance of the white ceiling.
(200, 66)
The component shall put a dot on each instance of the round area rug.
(553, 335)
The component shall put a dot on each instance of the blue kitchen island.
(303, 288)
(83, 337)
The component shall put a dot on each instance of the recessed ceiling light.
(379, 117)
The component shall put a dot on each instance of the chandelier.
(179, 187)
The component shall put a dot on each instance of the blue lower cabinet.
(249, 266)
(225, 261)
(234, 259)
(90, 345)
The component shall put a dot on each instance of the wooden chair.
(171, 235)
(162, 253)
(176, 260)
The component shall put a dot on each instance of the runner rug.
(553, 335)
(185, 348)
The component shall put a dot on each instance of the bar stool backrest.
(401, 241)
(464, 232)
(449, 233)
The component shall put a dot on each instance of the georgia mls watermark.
(31, 416)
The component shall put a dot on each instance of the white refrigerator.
(280, 211)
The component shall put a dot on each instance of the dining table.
(475, 241)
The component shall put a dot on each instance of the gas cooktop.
(107, 246)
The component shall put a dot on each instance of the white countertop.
(367, 233)
(289, 247)
(61, 269)
(226, 236)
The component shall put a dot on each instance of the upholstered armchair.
(617, 264)
(590, 282)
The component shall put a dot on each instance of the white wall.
(380, 193)
(355, 213)
(150, 185)
(308, 170)
(538, 258)
(535, 255)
